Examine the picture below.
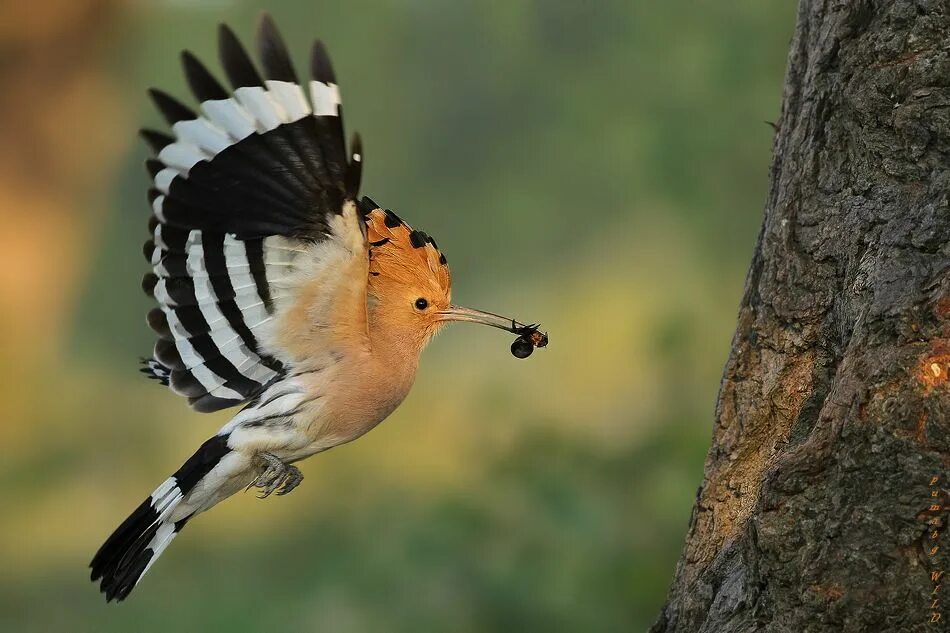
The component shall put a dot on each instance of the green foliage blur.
(598, 166)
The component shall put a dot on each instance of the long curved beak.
(458, 313)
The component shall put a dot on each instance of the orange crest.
(401, 255)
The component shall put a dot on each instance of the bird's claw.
(275, 476)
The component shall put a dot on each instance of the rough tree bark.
(831, 435)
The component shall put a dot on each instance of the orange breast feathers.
(404, 257)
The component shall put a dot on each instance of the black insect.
(528, 338)
(522, 347)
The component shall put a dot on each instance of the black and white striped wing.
(240, 190)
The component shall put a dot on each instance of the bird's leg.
(274, 475)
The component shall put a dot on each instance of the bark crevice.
(832, 415)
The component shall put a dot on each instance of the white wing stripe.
(266, 111)
(225, 393)
(202, 133)
(325, 97)
(159, 214)
(213, 383)
(227, 341)
(290, 96)
(229, 116)
(163, 181)
(182, 155)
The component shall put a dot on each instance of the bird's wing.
(242, 191)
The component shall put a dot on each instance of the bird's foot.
(274, 475)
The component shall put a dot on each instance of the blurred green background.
(599, 166)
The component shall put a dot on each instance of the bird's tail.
(126, 555)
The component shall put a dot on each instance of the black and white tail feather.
(240, 190)
(129, 552)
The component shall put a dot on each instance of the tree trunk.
(824, 503)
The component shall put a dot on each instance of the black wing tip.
(320, 67)
(209, 404)
(154, 166)
(158, 321)
(273, 51)
(149, 281)
(227, 41)
(202, 83)
(265, 18)
(171, 108)
(237, 64)
(225, 32)
(155, 139)
(354, 168)
(187, 57)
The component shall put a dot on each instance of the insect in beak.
(528, 335)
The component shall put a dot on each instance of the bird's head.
(411, 284)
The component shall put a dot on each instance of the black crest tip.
(391, 220)
(418, 239)
(367, 205)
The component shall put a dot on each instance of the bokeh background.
(599, 166)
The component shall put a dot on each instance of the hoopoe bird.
(278, 290)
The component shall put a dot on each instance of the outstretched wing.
(241, 191)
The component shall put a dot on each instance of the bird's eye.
(421, 304)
